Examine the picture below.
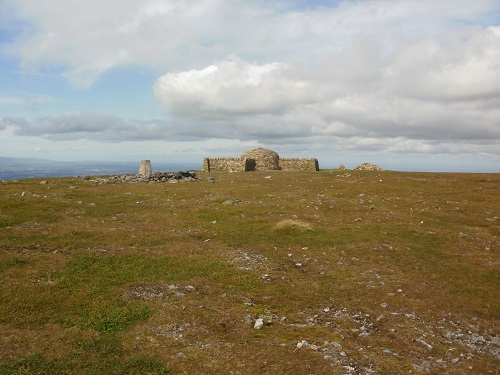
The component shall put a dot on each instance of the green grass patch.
(36, 364)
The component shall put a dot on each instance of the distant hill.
(20, 168)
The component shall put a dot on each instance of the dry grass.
(400, 274)
(292, 225)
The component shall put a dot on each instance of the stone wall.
(228, 165)
(299, 164)
(259, 159)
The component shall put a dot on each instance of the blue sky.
(406, 84)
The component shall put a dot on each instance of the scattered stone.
(44, 182)
(231, 202)
(302, 344)
(150, 292)
(336, 345)
(427, 345)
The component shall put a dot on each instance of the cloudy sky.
(405, 84)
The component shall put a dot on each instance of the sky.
(410, 85)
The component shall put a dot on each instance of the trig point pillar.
(145, 168)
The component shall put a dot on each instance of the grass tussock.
(290, 225)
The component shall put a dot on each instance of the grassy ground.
(351, 273)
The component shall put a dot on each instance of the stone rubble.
(367, 167)
(172, 177)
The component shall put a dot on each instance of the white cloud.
(232, 86)
(91, 37)
(88, 125)
(458, 70)
(28, 101)
(389, 76)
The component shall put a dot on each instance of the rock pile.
(171, 177)
(367, 167)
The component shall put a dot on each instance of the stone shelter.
(259, 159)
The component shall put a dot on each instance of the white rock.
(259, 323)
(302, 344)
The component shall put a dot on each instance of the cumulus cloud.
(232, 86)
(394, 76)
(424, 91)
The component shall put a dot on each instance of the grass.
(289, 225)
(167, 278)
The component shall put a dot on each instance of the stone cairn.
(146, 174)
(367, 167)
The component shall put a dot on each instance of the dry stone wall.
(228, 164)
(259, 159)
(299, 164)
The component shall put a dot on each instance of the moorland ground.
(351, 272)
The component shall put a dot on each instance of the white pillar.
(145, 168)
